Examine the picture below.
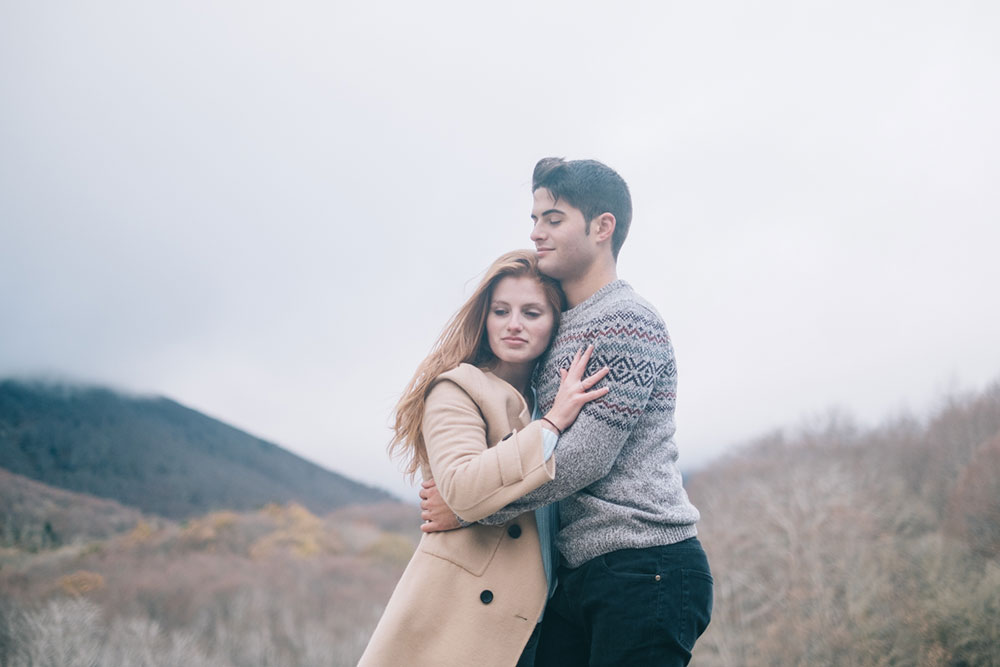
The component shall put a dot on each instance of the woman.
(472, 596)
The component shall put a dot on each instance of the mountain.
(156, 455)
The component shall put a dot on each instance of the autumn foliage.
(277, 586)
(836, 545)
(975, 502)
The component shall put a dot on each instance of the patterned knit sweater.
(616, 466)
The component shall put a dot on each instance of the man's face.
(565, 250)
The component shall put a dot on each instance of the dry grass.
(280, 586)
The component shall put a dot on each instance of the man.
(634, 587)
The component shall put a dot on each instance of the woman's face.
(520, 320)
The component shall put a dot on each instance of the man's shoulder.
(632, 302)
(624, 312)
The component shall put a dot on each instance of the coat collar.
(478, 383)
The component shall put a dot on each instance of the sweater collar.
(612, 288)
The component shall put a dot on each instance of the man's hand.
(434, 511)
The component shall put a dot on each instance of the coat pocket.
(470, 548)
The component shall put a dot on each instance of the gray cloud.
(269, 212)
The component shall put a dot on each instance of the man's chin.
(549, 267)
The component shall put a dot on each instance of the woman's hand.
(434, 511)
(575, 390)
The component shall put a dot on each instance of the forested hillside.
(834, 545)
(34, 516)
(155, 454)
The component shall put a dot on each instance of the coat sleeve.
(474, 479)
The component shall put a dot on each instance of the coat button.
(514, 531)
(506, 436)
(486, 597)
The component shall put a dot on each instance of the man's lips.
(543, 250)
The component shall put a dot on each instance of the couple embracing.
(557, 529)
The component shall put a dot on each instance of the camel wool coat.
(471, 596)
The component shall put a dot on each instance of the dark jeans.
(528, 655)
(629, 607)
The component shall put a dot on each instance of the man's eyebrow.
(548, 212)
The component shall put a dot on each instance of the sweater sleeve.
(474, 479)
(635, 345)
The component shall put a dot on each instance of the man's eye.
(554, 222)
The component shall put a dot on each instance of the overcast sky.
(267, 211)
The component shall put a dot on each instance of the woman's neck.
(516, 375)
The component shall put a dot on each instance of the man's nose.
(536, 233)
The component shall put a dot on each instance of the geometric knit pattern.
(616, 465)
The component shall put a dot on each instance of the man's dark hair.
(590, 186)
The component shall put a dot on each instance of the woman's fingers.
(579, 366)
(594, 378)
(594, 393)
(438, 526)
(579, 363)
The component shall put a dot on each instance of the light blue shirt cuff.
(549, 441)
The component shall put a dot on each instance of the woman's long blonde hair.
(463, 340)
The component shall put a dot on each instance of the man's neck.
(580, 289)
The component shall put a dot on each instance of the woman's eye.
(499, 311)
(532, 314)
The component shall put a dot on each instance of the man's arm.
(475, 479)
(635, 345)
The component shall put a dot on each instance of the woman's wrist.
(548, 422)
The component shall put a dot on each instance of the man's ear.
(603, 226)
